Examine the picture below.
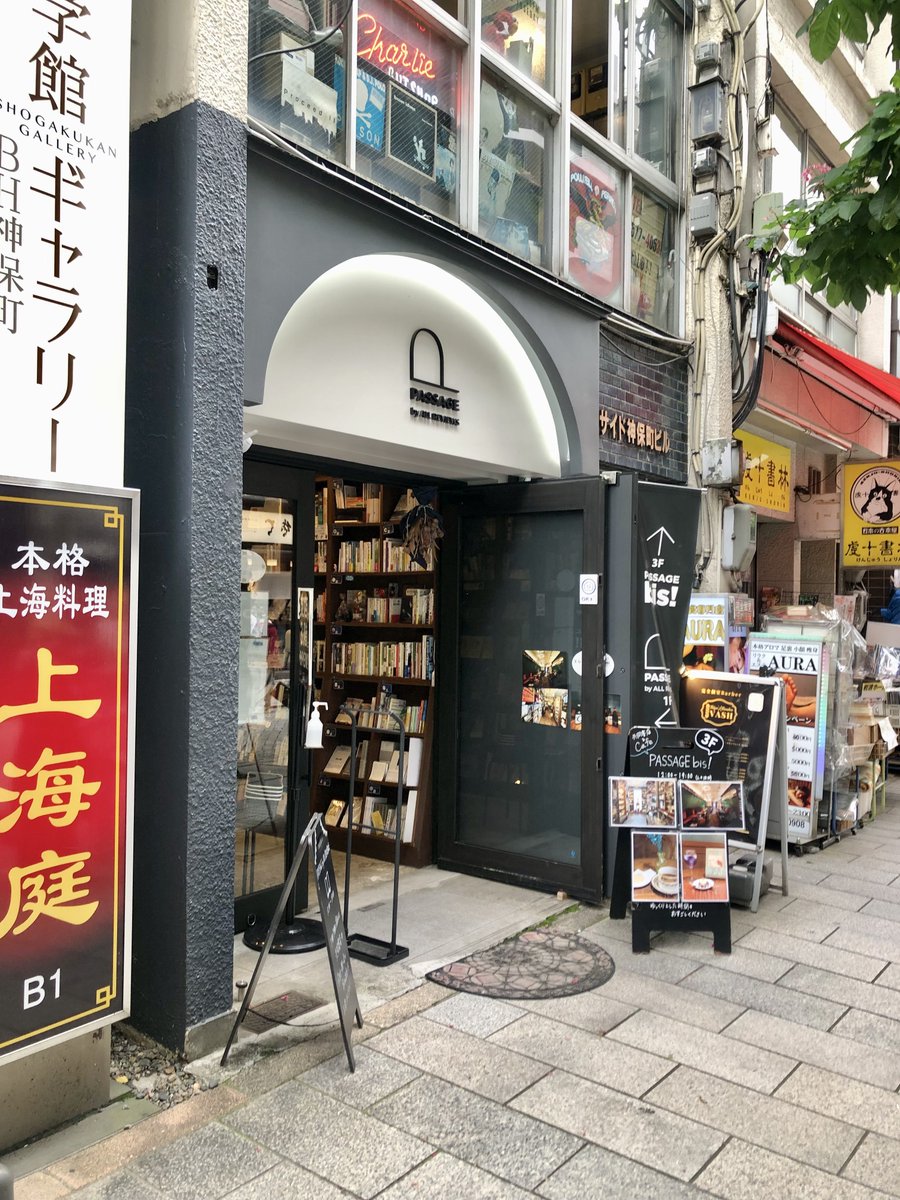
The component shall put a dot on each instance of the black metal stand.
(360, 945)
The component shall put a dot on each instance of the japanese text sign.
(64, 237)
(870, 525)
(767, 473)
(67, 602)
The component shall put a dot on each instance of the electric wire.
(326, 35)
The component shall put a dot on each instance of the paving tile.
(882, 908)
(860, 887)
(800, 919)
(745, 1172)
(460, 1058)
(865, 868)
(852, 901)
(828, 1050)
(600, 1059)
(764, 1120)
(881, 1032)
(210, 1162)
(375, 1077)
(750, 1065)
(813, 954)
(510, 1144)
(360, 1153)
(443, 1176)
(764, 997)
(597, 1011)
(699, 949)
(853, 993)
(876, 1163)
(669, 1001)
(845, 1099)
(890, 978)
(127, 1186)
(598, 1174)
(655, 966)
(478, 1015)
(40, 1186)
(287, 1181)
(410, 1003)
(629, 1127)
(875, 942)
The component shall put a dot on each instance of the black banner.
(667, 538)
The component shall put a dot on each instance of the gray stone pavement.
(772, 1071)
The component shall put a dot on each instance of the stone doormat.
(278, 1011)
(536, 965)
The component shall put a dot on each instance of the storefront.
(386, 369)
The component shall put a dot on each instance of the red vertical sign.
(67, 579)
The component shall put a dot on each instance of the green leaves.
(856, 20)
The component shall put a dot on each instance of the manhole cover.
(278, 1011)
(537, 965)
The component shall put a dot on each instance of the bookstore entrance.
(469, 618)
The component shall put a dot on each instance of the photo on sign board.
(711, 804)
(704, 867)
(544, 669)
(654, 867)
(612, 714)
(642, 803)
(800, 697)
(546, 706)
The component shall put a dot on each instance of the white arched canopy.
(392, 361)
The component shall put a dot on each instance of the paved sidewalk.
(772, 1071)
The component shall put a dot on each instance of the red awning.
(887, 385)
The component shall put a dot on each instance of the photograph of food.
(654, 867)
(704, 867)
(636, 801)
(711, 805)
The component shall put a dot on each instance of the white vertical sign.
(64, 67)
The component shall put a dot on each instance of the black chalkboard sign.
(412, 132)
(314, 841)
(335, 934)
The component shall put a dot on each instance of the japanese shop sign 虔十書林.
(64, 237)
(870, 514)
(67, 598)
(767, 473)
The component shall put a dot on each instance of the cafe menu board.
(802, 663)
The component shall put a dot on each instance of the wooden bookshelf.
(375, 628)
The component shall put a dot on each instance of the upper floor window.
(563, 154)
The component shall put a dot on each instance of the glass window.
(787, 161)
(521, 31)
(298, 92)
(407, 101)
(843, 336)
(652, 260)
(659, 85)
(596, 231)
(590, 63)
(512, 165)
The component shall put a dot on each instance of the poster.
(870, 514)
(545, 689)
(706, 633)
(595, 226)
(667, 538)
(67, 600)
(412, 133)
(802, 663)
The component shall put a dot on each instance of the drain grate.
(278, 1011)
(536, 965)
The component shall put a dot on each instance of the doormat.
(278, 1011)
(536, 965)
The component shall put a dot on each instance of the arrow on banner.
(661, 719)
(661, 533)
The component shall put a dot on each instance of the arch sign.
(392, 361)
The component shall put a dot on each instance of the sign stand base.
(683, 918)
(299, 936)
(375, 951)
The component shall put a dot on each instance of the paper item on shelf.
(887, 733)
(409, 818)
(413, 762)
(377, 773)
(337, 764)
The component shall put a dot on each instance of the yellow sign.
(870, 527)
(767, 473)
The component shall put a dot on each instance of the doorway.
(272, 785)
(520, 779)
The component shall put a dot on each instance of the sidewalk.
(774, 1070)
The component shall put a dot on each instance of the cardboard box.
(860, 735)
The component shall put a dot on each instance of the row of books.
(365, 497)
(412, 715)
(385, 765)
(371, 814)
(320, 564)
(394, 660)
(386, 606)
(361, 555)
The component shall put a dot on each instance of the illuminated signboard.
(67, 600)
(408, 52)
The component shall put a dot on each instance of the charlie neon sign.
(380, 46)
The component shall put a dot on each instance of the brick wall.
(641, 388)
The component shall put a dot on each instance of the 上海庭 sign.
(67, 590)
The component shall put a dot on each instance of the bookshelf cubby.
(375, 626)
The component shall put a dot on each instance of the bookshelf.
(375, 626)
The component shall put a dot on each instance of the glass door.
(272, 789)
(520, 691)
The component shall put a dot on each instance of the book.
(378, 771)
(334, 812)
(409, 816)
(339, 762)
(393, 771)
